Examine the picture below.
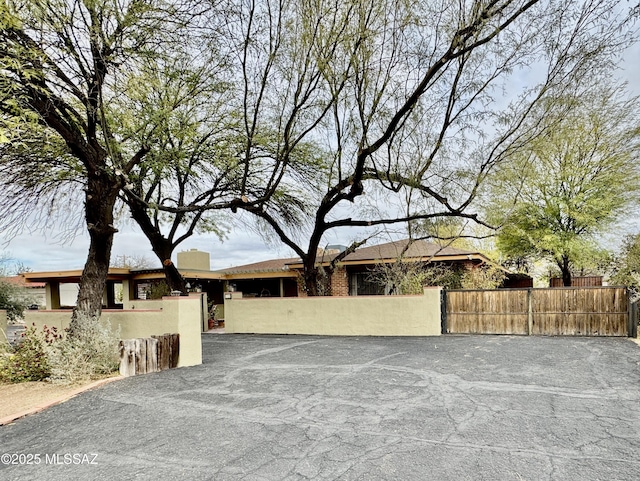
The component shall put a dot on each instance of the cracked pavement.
(356, 408)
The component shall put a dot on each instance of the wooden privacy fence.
(151, 354)
(567, 311)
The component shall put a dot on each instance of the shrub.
(486, 277)
(410, 277)
(28, 360)
(158, 290)
(49, 354)
(91, 352)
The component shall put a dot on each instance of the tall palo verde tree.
(554, 198)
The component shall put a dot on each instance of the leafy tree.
(64, 70)
(189, 148)
(204, 155)
(167, 123)
(13, 299)
(320, 99)
(572, 183)
(626, 265)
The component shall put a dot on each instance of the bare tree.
(397, 98)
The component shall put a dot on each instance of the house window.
(362, 285)
(142, 289)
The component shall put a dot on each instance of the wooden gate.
(566, 311)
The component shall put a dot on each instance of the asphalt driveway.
(299, 407)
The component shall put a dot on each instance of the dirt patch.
(17, 400)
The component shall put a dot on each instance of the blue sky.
(42, 253)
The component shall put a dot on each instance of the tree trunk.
(161, 246)
(174, 279)
(100, 200)
(566, 271)
(317, 280)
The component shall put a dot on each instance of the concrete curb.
(14, 417)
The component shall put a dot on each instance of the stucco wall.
(58, 318)
(178, 315)
(142, 304)
(340, 316)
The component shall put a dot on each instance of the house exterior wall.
(337, 316)
(143, 304)
(340, 282)
(181, 315)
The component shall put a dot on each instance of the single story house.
(271, 278)
(352, 277)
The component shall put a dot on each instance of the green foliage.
(571, 183)
(54, 356)
(28, 361)
(13, 299)
(626, 266)
(158, 290)
(91, 352)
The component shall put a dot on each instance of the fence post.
(632, 325)
(529, 311)
(443, 311)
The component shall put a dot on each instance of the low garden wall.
(180, 315)
(336, 316)
(142, 304)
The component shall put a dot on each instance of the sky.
(41, 252)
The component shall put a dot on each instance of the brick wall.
(340, 282)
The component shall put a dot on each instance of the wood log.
(141, 356)
(127, 357)
(152, 355)
(175, 349)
